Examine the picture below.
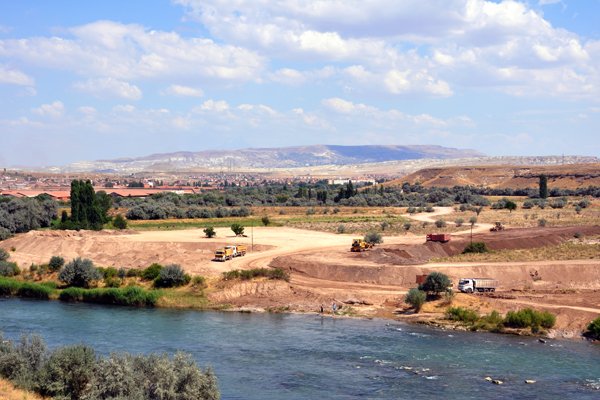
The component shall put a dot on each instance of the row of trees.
(23, 215)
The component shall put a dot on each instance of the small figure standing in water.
(333, 308)
(322, 310)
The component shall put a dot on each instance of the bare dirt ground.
(323, 269)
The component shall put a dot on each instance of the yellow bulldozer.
(497, 227)
(359, 245)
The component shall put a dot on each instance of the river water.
(280, 356)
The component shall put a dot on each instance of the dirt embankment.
(510, 239)
(128, 249)
(400, 264)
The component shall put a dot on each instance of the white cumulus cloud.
(14, 77)
(103, 87)
(55, 109)
(180, 90)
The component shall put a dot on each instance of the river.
(283, 356)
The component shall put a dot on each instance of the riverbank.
(271, 356)
(264, 296)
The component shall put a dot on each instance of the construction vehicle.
(437, 237)
(497, 227)
(359, 245)
(229, 252)
(471, 285)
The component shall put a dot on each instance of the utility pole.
(252, 235)
(472, 234)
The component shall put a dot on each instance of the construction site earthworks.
(554, 268)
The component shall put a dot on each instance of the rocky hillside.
(284, 157)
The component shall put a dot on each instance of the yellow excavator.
(359, 245)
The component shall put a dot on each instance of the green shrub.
(265, 220)
(416, 298)
(119, 222)
(9, 268)
(133, 272)
(490, 322)
(528, 318)
(373, 237)
(4, 233)
(341, 229)
(440, 223)
(199, 282)
(237, 229)
(76, 372)
(56, 263)
(108, 272)
(68, 372)
(171, 276)
(4, 255)
(593, 329)
(435, 283)
(152, 272)
(462, 315)
(476, 247)
(112, 282)
(210, 232)
(79, 272)
(449, 296)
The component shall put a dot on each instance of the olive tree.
(435, 283)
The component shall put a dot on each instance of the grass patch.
(184, 299)
(12, 287)
(129, 296)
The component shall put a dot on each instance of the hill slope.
(284, 157)
(564, 176)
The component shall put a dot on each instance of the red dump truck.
(438, 237)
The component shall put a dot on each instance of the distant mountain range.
(261, 158)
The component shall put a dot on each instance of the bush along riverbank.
(513, 322)
(77, 372)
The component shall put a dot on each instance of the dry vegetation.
(9, 392)
(573, 250)
(525, 218)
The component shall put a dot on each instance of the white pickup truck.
(470, 285)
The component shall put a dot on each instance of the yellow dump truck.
(359, 245)
(228, 252)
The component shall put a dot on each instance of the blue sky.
(98, 80)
